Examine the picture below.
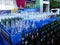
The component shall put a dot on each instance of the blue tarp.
(30, 0)
(5, 11)
(28, 10)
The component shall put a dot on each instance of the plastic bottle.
(33, 24)
(16, 26)
(20, 25)
(12, 26)
(27, 25)
(7, 25)
(22, 39)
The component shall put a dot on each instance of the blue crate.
(1, 40)
(15, 39)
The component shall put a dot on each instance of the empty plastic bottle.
(13, 27)
(7, 25)
(16, 26)
(33, 24)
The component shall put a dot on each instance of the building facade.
(46, 5)
(42, 5)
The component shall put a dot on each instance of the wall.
(7, 4)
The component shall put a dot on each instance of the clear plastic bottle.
(27, 25)
(33, 24)
(20, 26)
(12, 26)
(16, 26)
(7, 25)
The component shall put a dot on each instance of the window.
(30, 4)
(6, 4)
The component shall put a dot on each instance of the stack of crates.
(36, 33)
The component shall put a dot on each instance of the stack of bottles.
(31, 32)
(42, 36)
(17, 25)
